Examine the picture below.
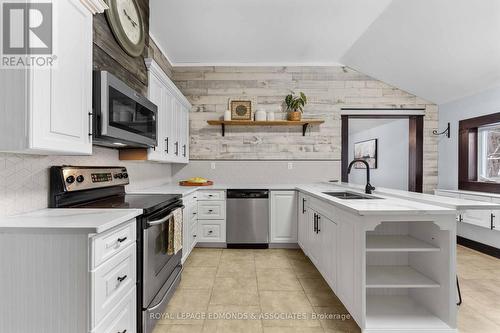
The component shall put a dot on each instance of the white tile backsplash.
(24, 179)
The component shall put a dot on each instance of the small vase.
(294, 116)
(227, 115)
(260, 115)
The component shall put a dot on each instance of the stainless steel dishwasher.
(247, 218)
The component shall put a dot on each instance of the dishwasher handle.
(248, 194)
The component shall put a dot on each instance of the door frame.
(415, 147)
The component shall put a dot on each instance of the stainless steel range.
(104, 187)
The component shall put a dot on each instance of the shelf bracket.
(223, 129)
(304, 129)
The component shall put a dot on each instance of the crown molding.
(95, 6)
(256, 64)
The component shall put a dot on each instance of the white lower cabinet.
(212, 231)
(477, 217)
(211, 223)
(77, 281)
(283, 217)
(189, 225)
(318, 237)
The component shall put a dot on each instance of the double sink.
(349, 195)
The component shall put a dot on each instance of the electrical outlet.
(212, 165)
(290, 165)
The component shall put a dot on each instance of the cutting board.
(187, 183)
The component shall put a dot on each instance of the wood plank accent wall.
(109, 56)
(329, 89)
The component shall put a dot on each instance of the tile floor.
(253, 282)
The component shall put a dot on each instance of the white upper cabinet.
(283, 221)
(173, 117)
(46, 110)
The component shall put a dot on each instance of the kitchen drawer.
(106, 245)
(112, 281)
(122, 318)
(211, 210)
(211, 195)
(211, 231)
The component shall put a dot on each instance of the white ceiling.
(439, 50)
(197, 32)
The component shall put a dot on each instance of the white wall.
(392, 166)
(24, 179)
(477, 105)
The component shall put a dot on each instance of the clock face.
(129, 19)
(126, 24)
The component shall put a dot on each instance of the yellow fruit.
(198, 180)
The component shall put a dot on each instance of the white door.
(328, 259)
(283, 217)
(61, 97)
(481, 218)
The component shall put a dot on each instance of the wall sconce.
(446, 131)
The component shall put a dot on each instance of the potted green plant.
(295, 105)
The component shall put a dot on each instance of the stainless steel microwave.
(121, 116)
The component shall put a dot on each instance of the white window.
(488, 153)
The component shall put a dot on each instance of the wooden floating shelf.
(304, 123)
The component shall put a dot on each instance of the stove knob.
(120, 176)
(80, 179)
(70, 179)
(125, 175)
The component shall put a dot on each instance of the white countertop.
(385, 205)
(482, 194)
(74, 219)
(448, 202)
(388, 205)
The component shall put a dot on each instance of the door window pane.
(488, 138)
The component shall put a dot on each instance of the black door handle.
(121, 278)
(317, 227)
(315, 222)
(303, 205)
(492, 219)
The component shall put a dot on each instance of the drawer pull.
(124, 331)
(194, 213)
(210, 195)
(121, 278)
(194, 236)
(121, 240)
(210, 210)
(210, 231)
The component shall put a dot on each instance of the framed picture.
(366, 150)
(241, 110)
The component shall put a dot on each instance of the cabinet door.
(283, 217)
(328, 253)
(302, 222)
(495, 215)
(156, 95)
(314, 241)
(345, 264)
(61, 97)
(481, 218)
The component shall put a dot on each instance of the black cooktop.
(148, 202)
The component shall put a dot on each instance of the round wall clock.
(125, 20)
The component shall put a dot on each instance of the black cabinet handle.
(318, 223)
(460, 218)
(184, 148)
(315, 222)
(124, 331)
(303, 205)
(492, 220)
(166, 145)
(90, 123)
(121, 240)
(121, 278)
(210, 210)
(177, 148)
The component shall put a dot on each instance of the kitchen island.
(390, 257)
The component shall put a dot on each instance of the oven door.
(158, 263)
(125, 115)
